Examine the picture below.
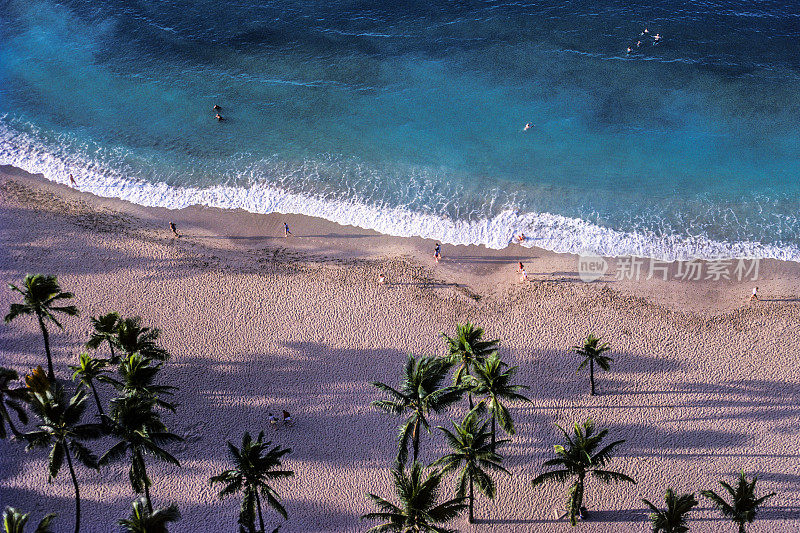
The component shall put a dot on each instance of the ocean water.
(407, 117)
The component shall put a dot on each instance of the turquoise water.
(409, 118)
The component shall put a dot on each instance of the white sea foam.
(549, 231)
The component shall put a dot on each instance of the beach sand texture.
(258, 323)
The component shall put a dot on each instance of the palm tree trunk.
(471, 502)
(577, 500)
(50, 374)
(591, 374)
(96, 399)
(416, 439)
(75, 484)
(494, 419)
(469, 393)
(111, 347)
(145, 482)
(258, 506)
(741, 528)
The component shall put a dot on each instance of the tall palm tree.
(14, 522)
(744, 504)
(673, 518)
(255, 466)
(470, 446)
(577, 458)
(132, 338)
(105, 330)
(137, 375)
(592, 352)
(60, 430)
(143, 521)
(139, 431)
(493, 384)
(419, 509)
(87, 371)
(39, 294)
(420, 393)
(11, 399)
(466, 349)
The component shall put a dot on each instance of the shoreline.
(480, 269)
(702, 385)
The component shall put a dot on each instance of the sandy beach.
(703, 383)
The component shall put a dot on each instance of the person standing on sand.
(754, 296)
(524, 277)
(437, 252)
(521, 267)
(72, 181)
(286, 231)
(174, 229)
(381, 279)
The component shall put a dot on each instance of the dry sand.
(703, 383)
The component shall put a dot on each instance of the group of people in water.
(644, 35)
(217, 109)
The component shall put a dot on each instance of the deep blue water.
(408, 118)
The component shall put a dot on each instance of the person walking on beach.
(524, 277)
(437, 252)
(286, 231)
(287, 419)
(174, 229)
(381, 279)
(273, 421)
(754, 296)
(72, 181)
(521, 267)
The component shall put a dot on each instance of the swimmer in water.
(645, 32)
(638, 44)
(629, 50)
(219, 117)
(217, 108)
(656, 38)
(527, 126)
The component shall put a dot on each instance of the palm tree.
(137, 374)
(14, 522)
(744, 505)
(493, 382)
(255, 466)
(419, 509)
(592, 352)
(466, 349)
(471, 448)
(420, 393)
(87, 370)
(143, 521)
(61, 430)
(10, 398)
(132, 338)
(576, 459)
(39, 293)
(673, 518)
(140, 432)
(105, 330)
